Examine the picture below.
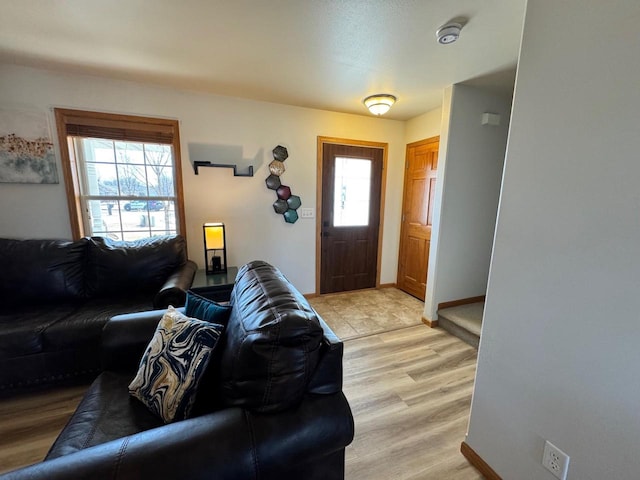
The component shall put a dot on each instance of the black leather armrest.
(174, 290)
(320, 425)
(217, 445)
(327, 377)
(125, 337)
(226, 445)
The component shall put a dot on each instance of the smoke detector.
(448, 33)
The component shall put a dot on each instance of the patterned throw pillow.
(173, 364)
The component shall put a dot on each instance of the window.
(351, 192)
(123, 174)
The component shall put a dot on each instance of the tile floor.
(367, 312)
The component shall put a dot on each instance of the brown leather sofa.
(57, 296)
(272, 406)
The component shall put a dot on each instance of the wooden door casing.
(349, 255)
(417, 216)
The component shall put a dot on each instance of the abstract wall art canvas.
(26, 149)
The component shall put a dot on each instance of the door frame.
(352, 143)
(403, 226)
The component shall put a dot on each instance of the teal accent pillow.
(173, 365)
(197, 306)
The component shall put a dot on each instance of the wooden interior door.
(417, 213)
(350, 217)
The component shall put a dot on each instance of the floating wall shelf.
(248, 173)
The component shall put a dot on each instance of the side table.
(215, 286)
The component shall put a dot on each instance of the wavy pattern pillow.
(173, 364)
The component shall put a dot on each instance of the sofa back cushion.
(128, 267)
(42, 270)
(272, 342)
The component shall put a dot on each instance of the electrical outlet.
(555, 460)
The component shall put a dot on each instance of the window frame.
(124, 127)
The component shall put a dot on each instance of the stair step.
(463, 321)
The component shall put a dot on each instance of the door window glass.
(351, 192)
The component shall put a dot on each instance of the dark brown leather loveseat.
(58, 294)
(272, 407)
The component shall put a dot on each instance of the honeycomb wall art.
(286, 204)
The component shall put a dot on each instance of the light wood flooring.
(410, 392)
(409, 387)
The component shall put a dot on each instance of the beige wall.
(466, 200)
(244, 204)
(423, 126)
(559, 353)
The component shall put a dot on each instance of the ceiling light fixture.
(448, 33)
(379, 104)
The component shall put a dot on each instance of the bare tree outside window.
(160, 164)
(128, 188)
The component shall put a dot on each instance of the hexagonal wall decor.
(290, 216)
(276, 167)
(294, 202)
(286, 204)
(280, 206)
(273, 182)
(280, 153)
(283, 192)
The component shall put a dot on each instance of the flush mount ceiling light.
(448, 33)
(379, 104)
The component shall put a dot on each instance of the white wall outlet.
(307, 213)
(555, 460)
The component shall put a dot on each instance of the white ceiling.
(326, 54)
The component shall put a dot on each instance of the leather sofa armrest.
(174, 290)
(124, 338)
(327, 377)
(216, 445)
(226, 445)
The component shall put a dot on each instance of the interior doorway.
(417, 215)
(349, 219)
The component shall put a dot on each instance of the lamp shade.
(379, 104)
(215, 251)
(214, 236)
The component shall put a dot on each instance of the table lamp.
(215, 251)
